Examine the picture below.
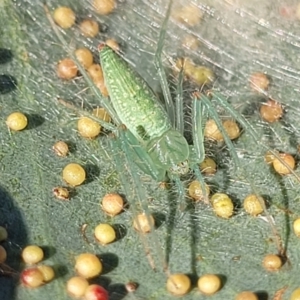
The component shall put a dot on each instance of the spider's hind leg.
(136, 194)
(160, 69)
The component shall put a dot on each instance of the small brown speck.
(61, 193)
(131, 286)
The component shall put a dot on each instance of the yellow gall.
(201, 75)
(84, 56)
(196, 191)
(88, 265)
(259, 82)
(64, 17)
(95, 71)
(16, 121)
(76, 286)
(32, 254)
(47, 271)
(102, 114)
(32, 278)
(246, 295)
(222, 205)
(232, 129)
(61, 148)
(190, 42)
(112, 204)
(185, 64)
(296, 227)
(252, 204)
(104, 7)
(113, 44)
(209, 284)
(297, 11)
(270, 156)
(296, 293)
(105, 234)
(89, 28)
(88, 128)
(66, 69)
(285, 164)
(212, 132)
(272, 262)
(102, 87)
(271, 111)
(143, 223)
(208, 166)
(178, 284)
(189, 15)
(74, 174)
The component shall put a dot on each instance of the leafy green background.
(236, 39)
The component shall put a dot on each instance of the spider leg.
(160, 69)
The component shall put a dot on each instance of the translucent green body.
(144, 116)
(132, 99)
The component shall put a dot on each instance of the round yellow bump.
(222, 205)
(259, 82)
(88, 128)
(105, 234)
(61, 148)
(89, 28)
(113, 44)
(64, 17)
(189, 15)
(104, 7)
(272, 262)
(32, 254)
(66, 69)
(232, 129)
(178, 284)
(208, 166)
(196, 191)
(84, 56)
(271, 111)
(76, 286)
(246, 295)
(32, 278)
(74, 174)
(212, 132)
(209, 284)
(143, 223)
(16, 121)
(284, 164)
(112, 204)
(190, 42)
(88, 265)
(102, 114)
(47, 271)
(296, 294)
(252, 205)
(296, 227)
